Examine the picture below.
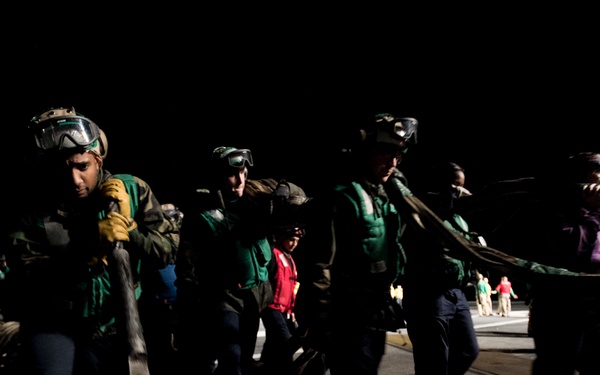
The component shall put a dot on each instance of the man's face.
(77, 174)
(235, 183)
(383, 159)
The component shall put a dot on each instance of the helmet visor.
(240, 158)
(61, 133)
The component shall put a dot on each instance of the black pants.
(58, 353)
(279, 348)
(440, 327)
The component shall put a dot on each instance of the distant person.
(397, 293)
(438, 315)
(278, 318)
(482, 295)
(489, 295)
(477, 297)
(505, 293)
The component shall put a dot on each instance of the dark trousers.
(279, 348)
(237, 341)
(55, 353)
(440, 328)
(159, 324)
(355, 350)
(228, 323)
(566, 335)
(231, 339)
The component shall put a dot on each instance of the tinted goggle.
(239, 158)
(61, 133)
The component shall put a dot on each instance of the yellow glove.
(114, 190)
(115, 227)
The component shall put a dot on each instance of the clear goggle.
(406, 128)
(239, 158)
(390, 128)
(66, 132)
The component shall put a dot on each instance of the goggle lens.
(239, 158)
(63, 133)
(405, 128)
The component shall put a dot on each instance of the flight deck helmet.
(60, 129)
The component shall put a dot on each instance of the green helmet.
(60, 129)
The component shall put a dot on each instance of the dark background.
(502, 92)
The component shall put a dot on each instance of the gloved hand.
(115, 227)
(114, 190)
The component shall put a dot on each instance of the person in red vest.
(505, 291)
(278, 318)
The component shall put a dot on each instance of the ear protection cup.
(103, 144)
